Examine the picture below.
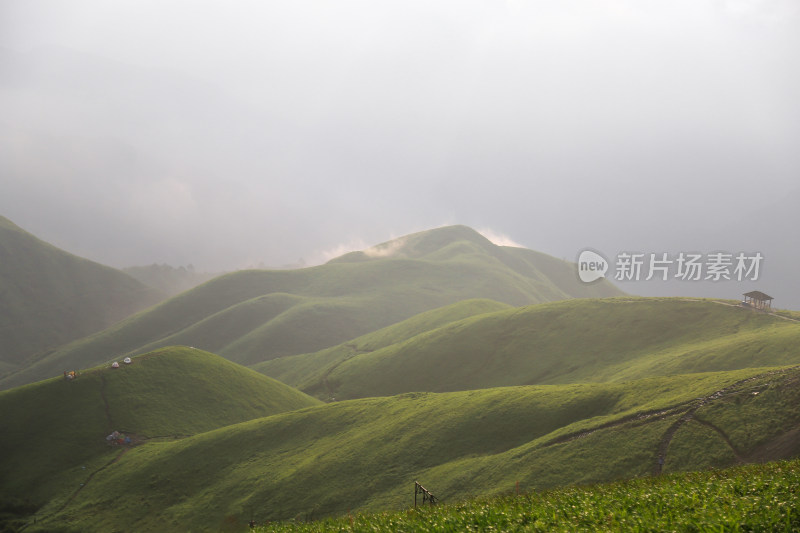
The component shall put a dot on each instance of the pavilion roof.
(758, 295)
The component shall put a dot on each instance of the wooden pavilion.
(758, 300)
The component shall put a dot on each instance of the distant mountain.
(253, 316)
(49, 297)
(54, 432)
(575, 341)
(168, 279)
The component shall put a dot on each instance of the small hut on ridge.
(758, 300)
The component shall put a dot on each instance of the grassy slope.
(296, 369)
(748, 498)
(366, 454)
(562, 342)
(49, 297)
(52, 428)
(254, 316)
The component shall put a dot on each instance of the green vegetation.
(574, 341)
(297, 369)
(49, 297)
(54, 431)
(365, 454)
(444, 382)
(253, 316)
(749, 498)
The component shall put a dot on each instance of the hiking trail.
(689, 415)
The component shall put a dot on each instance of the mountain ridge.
(252, 316)
(590, 340)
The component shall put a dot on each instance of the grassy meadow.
(313, 368)
(365, 454)
(573, 341)
(54, 431)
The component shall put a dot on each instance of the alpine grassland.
(365, 454)
(54, 431)
(477, 370)
(752, 498)
(298, 369)
(253, 316)
(573, 341)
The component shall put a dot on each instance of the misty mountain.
(257, 315)
(49, 297)
(168, 279)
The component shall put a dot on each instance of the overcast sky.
(228, 134)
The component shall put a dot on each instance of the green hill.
(254, 316)
(366, 454)
(314, 367)
(54, 429)
(49, 297)
(563, 342)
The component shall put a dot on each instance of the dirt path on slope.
(666, 439)
(776, 315)
(689, 414)
(88, 479)
(72, 496)
(739, 457)
(685, 412)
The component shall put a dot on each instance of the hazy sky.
(225, 134)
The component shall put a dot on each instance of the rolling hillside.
(315, 367)
(563, 342)
(49, 297)
(54, 431)
(253, 316)
(366, 454)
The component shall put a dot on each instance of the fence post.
(426, 495)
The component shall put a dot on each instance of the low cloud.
(386, 249)
(500, 239)
(353, 245)
(358, 244)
